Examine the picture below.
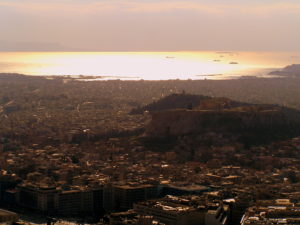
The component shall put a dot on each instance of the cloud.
(142, 6)
(108, 6)
(154, 24)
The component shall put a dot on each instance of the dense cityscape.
(95, 152)
(149, 112)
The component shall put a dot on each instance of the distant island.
(291, 70)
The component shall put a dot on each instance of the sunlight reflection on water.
(146, 65)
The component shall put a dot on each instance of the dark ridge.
(187, 101)
(174, 101)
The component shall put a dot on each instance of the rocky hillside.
(249, 124)
(187, 101)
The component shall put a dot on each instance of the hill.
(187, 101)
(249, 124)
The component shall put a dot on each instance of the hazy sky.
(155, 25)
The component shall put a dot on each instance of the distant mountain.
(291, 70)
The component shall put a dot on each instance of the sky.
(150, 25)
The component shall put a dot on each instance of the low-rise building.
(7, 217)
(280, 211)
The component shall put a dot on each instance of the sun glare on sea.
(135, 65)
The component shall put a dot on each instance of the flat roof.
(192, 187)
(127, 186)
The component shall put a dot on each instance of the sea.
(181, 65)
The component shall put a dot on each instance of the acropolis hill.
(216, 115)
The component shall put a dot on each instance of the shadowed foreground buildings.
(179, 211)
(171, 210)
(194, 210)
(66, 152)
(49, 200)
(280, 211)
(80, 200)
(7, 217)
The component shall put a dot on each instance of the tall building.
(50, 200)
(5, 184)
(98, 201)
(108, 198)
(44, 199)
(75, 202)
(126, 195)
